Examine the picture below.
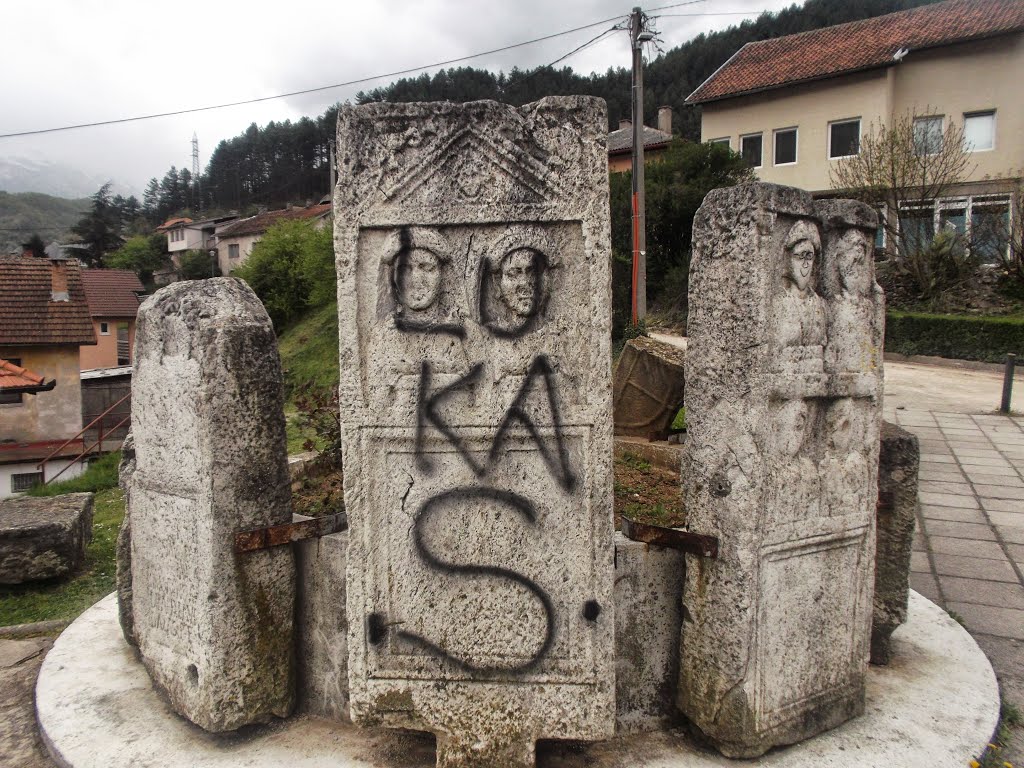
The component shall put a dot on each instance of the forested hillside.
(287, 162)
(25, 213)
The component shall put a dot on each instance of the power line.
(311, 90)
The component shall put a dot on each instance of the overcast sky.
(77, 61)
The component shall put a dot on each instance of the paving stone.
(949, 500)
(1001, 505)
(935, 448)
(955, 514)
(20, 742)
(919, 563)
(959, 530)
(936, 486)
(924, 583)
(981, 461)
(1007, 519)
(1002, 622)
(936, 458)
(1010, 534)
(985, 453)
(986, 478)
(974, 568)
(947, 545)
(1016, 552)
(999, 492)
(944, 475)
(996, 593)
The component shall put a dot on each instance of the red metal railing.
(88, 448)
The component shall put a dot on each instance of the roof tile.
(28, 314)
(858, 45)
(260, 223)
(111, 292)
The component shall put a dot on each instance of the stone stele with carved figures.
(474, 307)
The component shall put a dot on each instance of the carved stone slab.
(783, 388)
(213, 628)
(647, 387)
(473, 260)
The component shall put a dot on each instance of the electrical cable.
(308, 90)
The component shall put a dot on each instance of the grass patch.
(633, 461)
(64, 599)
(101, 474)
(309, 350)
(679, 422)
(1009, 717)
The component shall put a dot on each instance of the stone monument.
(783, 395)
(213, 628)
(473, 263)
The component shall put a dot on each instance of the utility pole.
(196, 191)
(637, 37)
(334, 178)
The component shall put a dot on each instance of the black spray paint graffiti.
(433, 506)
(557, 460)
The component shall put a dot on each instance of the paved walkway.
(969, 544)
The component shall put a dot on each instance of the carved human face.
(518, 282)
(791, 424)
(801, 263)
(419, 279)
(852, 259)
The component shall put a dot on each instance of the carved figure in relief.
(801, 323)
(417, 264)
(850, 348)
(844, 470)
(795, 493)
(514, 284)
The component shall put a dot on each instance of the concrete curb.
(936, 704)
(16, 631)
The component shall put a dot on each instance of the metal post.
(1011, 361)
(639, 213)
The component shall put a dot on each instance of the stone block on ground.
(898, 462)
(783, 396)
(43, 537)
(322, 628)
(214, 628)
(648, 387)
(648, 603)
(123, 572)
(474, 305)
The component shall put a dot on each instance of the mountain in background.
(25, 174)
(27, 213)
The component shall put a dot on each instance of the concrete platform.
(936, 705)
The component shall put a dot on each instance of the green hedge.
(960, 337)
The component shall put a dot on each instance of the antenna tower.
(196, 192)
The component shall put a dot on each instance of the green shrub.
(100, 475)
(962, 337)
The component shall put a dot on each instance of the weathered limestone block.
(322, 631)
(213, 628)
(648, 387)
(124, 544)
(898, 464)
(474, 304)
(780, 464)
(648, 602)
(43, 537)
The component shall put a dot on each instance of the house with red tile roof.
(113, 296)
(794, 106)
(656, 141)
(44, 322)
(236, 239)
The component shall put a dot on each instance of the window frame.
(18, 479)
(835, 123)
(967, 204)
(981, 113)
(727, 140)
(928, 119)
(234, 251)
(758, 135)
(775, 146)
(104, 328)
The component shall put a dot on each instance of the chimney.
(58, 281)
(625, 125)
(665, 119)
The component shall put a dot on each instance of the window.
(990, 228)
(785, 146)
(917, 227)
(844, 138)
(22, 482)
(724, 140)
(124, 353)
(11, 398)
(104, 329)
(233, 251)
(981, 221)
(883, 213)
(928, 135)
(979, 131)
(750, 148)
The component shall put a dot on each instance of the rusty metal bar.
(693, 543)
(275, 535)
(84, 452)
(66, 443)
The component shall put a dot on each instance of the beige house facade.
(795, 107)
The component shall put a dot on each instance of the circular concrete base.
(936, 705)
